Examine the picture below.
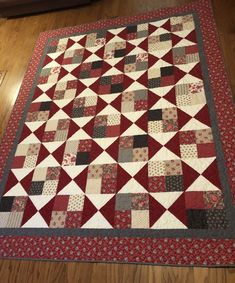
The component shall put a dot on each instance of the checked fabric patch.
(119, 141)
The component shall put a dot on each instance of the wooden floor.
(17, 39)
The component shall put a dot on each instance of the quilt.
(119, 145)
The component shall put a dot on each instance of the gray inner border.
(169, 233)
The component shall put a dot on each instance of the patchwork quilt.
(118, 135)
(119, 146)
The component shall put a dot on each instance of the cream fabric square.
(50, 187)
(52, 78)
(183, 100)
(176, 20)
(169, 113)
(61, 135)
(76, 203)
(61, 48)
(127, 107)
(182, 89)
(68, 53)
(4, 219)
(15, 219)
(130, 68)
(51, 125)
(30, 161)
(191, 58)
(163, 45)
(109, 55)
(93, 186)
(140, 154)
(109, 47)
(152, 47)
(22, 149)
(153, 39)
(139, 219)
(188, 151)
(197, 98)
(91, 36)
(196, 87)
(42, 116)
(63, 41)
(156, 168)
(154, 73)
(114, 120)
(173, 167)
(62, 45)
(70, 93)
(71, 147)
(120, 45)
(188, 25)
(155, 127)
(142, 27)
(187, 18)
(128, 96)
(90, 41)
(58, 219)
(95, 172)
(69, 159)
(61, 86)
(90, 101)
(204, 136)
(33, 148)
(40, 174)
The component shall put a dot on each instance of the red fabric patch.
(34, 107)
(18, 162)
(206, 150)
(122, 219)
(194, 200)
(187, 137)
(61, 203)
(165, 81)
(113, 131)
(67, 61)
(73, 219)
(191, 49)
(157, 184)
(104, 89)
(95, 73)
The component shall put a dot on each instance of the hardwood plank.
(214, 275)
(2, 76)
(177, 274)
(69, 272)
(17, 40)
(230, 275)
(224, 12)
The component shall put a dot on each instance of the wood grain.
(17, 39)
